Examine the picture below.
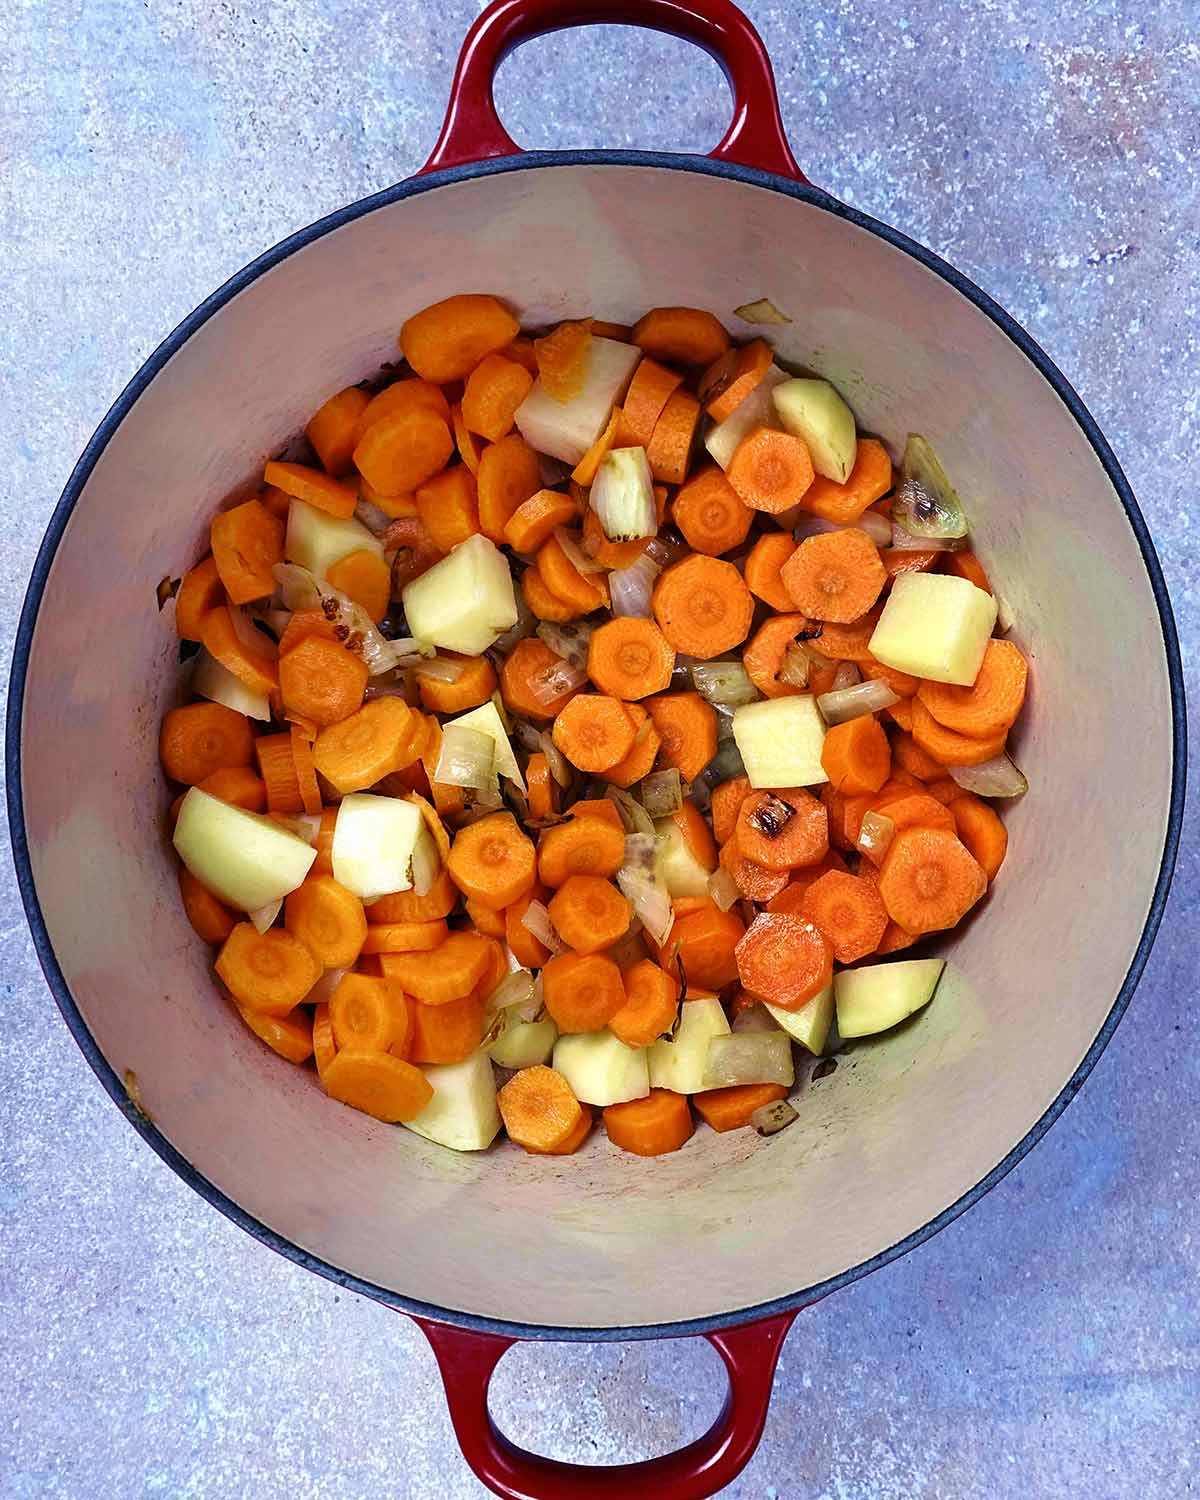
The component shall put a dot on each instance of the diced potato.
(749, 1057)
(813, 410)
(464, 602)
(881, 996)
(567, 429)
(780, 740)
(217, 683)
(245, 859)
(316, 540)
(810, 1024)
(681, 871)
(525, 1044)
(373, 843)
(601, 1069)
(679, 1065)
(757, 410)
(935, 625)
(463, 1113)
(486, 720)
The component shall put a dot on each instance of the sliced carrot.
(471, 689)
(400, 398)
(643, 753)
(981, 831)
(306, 772)
(321, 491)
(522, 666)
(651, 388)
(522, 351)
(323, 681)
(584, 471)
(508, 475)
(588, 845)
(783, 830)
(731, 1108)
(368, 1013)
(563, 578)
(582, 993)
(894, 939)
(856, 756)
(628, 658)
(291, 1035)
(947, 745)
(913, 809)
(543, 789)
(415, 550)
(332, 429)
(400, 452)
(899, 682)
(328, 919)
(594, 732)
(898, 773)
(742, 372)
(608, 554)
(200, 591)
(945, 791)
(754, 881)
(247, 543)
(303, 623)
(469, 447)
(210, 918)
(929, 880)
(406, 906)
(681, 335)
(589, 913)
(910, 757)
(378, 1084)
(492, 861)
(991, 704)
(703, 607)
(561, 358)
(869, 480)
(377, 740)
(669, 450)
(277, 767)
(654, 1126)
(849, 911)
(543, 602)
(770, 470)
(791, 898)
(269, 971)
(836, 576)
(493, 391)
(277, 501)
(525, 948)
(447, 972)
(535, 520)
(248, 654)
(784, 960)
(687, 727)
(399, 507)
(539, 1109)
(323, 1045)
(572, 1142)
(967, 565)
(404, 937)
(845, 642)
(446, 1033)
(898, 560)
(763, 565)
(901, 714)
(597, 807)
(201, 738)
(446, 340)
(711, 514)
(363, 576)
(651, 1001)
(703, 944)
(846, 815)
(448, 506)
(727, 799)
(323, 864)
(766, 655)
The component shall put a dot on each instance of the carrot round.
(468, 445)
(446, 340)
(378, 1084)
(584, 846)
(272, 498)
(763, 565)
(629, 658)
(238, 785)
(321, 491)
(731, 1108)
(445, 973)
(539, 1109)
(290, 1035)
(947, 745)
(945, 791)
(448, 506)
(269, 971)
(791, 898)
(405, 937)
(399, 398)
(406, 906)
(473, 687)
(201, 738)
(572, 1142)
(900, 682)
(649, 391)
(211, 920)
(323, 1045)
(894, 939)
(703, 607)
(981, 831)
(850, 913)
(669, 450)
(582, 992)
(845, 815)
(369, 745)
(681, 335)
(544, 602)
(524, 662)
(277, 767)
(643, 753)
(560, 358)
(910, 757)
(898, 560)
(856, 755)
(248, 654)
(687, 727)
(508, 475)
(247, 543)
(784, 960)
(306, 772)
(836, 576)
(869, 480)
(594, 732)
(766, 653)
(200, 591)
(991, 704)
(564, 579)
(333, 426)
(711, 514)
(446, 1033)
(492, 861)
(651, 1001)
(323, 681)
(770, 470)
(536, 519)
(966, 565)
(697, 836)
(494, 390)
(704, 944)
(727, 799)
(850, 642)
(783, 830)
(328, 919)
(901, 714)
(739, 372)
(754, 881)
(589, 913)
(525, 948)
(908, 807)
(929, 880)
(368, 1013)
(400, 452)
(653, 1126)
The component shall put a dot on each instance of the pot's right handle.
(750, 1351)
(472, 130)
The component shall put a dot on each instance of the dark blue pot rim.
(531, 161)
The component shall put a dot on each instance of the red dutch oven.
(731, 1237)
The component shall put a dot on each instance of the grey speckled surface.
(1047, 1344)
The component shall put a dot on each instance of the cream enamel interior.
(908, 1123)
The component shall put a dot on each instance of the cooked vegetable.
(784, 960)
(594, 732)
(844, 704)
(991, 703)
(991, 778)
(246, 860)
(651, 1005)
(811, 1023)
(925, 503)
(784, 830)
(724, 682)
(934, 626)
(678, 1063)
(770, 470)
(681, 335)
(868, 481)
(687, 728)
(446, 340)
(755, 410)
(878, 997)
(567, 429)
(463, 602)
(462, 1114)
(601, 1069)
(630, 659)
(703, 607)
(752, 1057)
(781, 741)
(813, 410)
(622, 495)
(374, 840)
(836, 576)
(649, 391)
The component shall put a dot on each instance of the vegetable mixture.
(572, 724)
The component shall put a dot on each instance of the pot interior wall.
(907, 1124)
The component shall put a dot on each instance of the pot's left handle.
(750, 1353)
(472, 131)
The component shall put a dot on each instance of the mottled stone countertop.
(1046, 1344)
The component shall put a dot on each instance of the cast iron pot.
(730, 1237)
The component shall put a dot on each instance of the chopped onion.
(770, 1119)
(925, 502)
(771, 816)
(852, 702)
(662, 792)
(560, 767)
(665, 550)
(467, 758)
(875, 834)
(763, 310)
(726, 763)
(526, 620)
(375, 520)
(846, 676)
(250, 635)
(441, 669)
(537, 921)
(304, 590)
(749, 1057)
(634, 817)
(571, 641)
(905, 541)
(304, 825)
(322, 992)
(722, 889)
(795, 668)
(550, 683)
(514, 989)
(276, 620)
(631, 588)
(994, 778)
(552, 471)
(1005, 620)
(647, 894)
(622, 495)
(265, 916)
(391, 686)
(723, 682)
(877, 527)
(569, 541)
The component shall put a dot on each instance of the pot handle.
(467, 1360)
(472, 131)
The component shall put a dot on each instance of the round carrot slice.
(784, 960)
(991, 703)
(929, 880)
(783, 830)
